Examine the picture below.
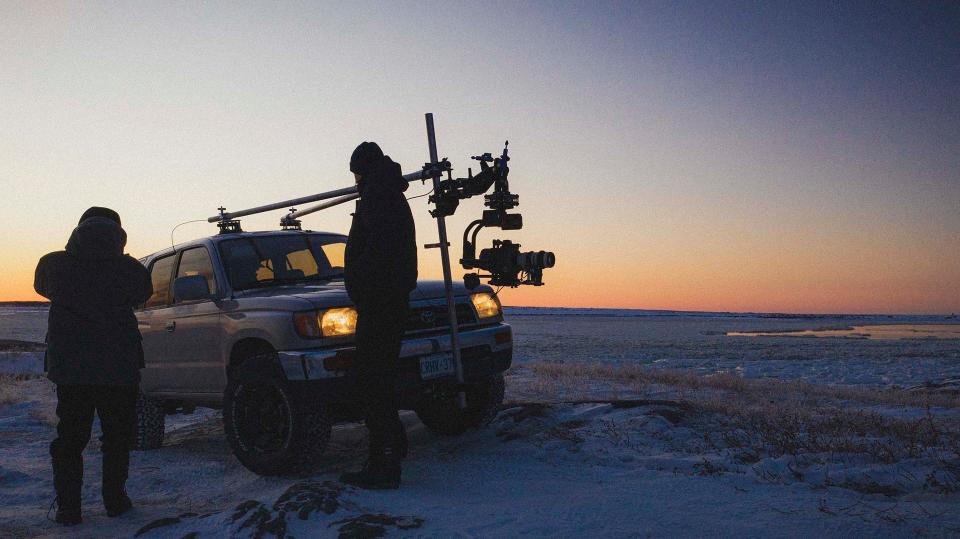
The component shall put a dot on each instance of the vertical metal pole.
(447, 279)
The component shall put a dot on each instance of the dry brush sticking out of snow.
(892, 442)
(638, 377)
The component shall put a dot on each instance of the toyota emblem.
(428, 317)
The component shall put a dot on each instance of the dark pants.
(76, 404)
(380, 326)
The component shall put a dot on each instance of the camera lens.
(548, 259)
(532, 260)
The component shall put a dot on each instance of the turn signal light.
(307, 325)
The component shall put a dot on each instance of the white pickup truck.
(259, 324)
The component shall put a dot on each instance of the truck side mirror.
(191, 288)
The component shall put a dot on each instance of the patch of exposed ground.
(321, 504)
(13, 345)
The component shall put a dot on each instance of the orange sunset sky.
(781, 159)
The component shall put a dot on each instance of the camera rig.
(504, 263)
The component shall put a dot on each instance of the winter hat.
(364, 157)
(97, 211)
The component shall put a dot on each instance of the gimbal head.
(451, 191)
(506, 264)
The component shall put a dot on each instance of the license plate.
(437, 365)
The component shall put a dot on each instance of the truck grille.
(435, 316)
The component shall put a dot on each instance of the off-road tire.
(150, 423)
(304, 427)
(483, 402)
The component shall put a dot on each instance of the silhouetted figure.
(94, 355)
(380, 271)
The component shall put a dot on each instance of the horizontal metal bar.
(284, 204)
(418, 175)
(322, 206)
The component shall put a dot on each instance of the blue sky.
(722, 156)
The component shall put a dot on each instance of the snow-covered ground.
(626, 468)
(698, 341)
(660, 452)
(23, 323)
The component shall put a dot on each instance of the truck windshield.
(259, 262)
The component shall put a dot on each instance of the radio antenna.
(172, 230)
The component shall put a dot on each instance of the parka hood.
(384, 178)
(97, 238)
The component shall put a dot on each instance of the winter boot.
(68, 482)
(115, 499)
(68, 511)
(68, 501)
(374, 477)
(381, 471)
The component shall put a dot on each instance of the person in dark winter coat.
(381, 254)
(380, 270)
(94, 354)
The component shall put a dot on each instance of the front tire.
(268, 429)
(151, 419)
(444, 416)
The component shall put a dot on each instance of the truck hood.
(435, 289)
(333, 294)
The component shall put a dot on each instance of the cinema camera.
(504, 262)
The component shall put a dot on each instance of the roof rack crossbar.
(352, 190)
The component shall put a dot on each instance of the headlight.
(338, 322)
(486, 304)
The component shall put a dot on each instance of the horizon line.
(782, 313)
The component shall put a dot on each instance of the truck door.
(196, 335)
(153, 320)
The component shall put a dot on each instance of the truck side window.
(160, 273)
(197, 261)
(242, 263)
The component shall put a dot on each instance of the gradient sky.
(794, 157)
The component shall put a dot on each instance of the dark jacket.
(381, 256)
(92, 334)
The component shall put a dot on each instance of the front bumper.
(482, 349)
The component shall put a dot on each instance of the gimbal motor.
(504, 262)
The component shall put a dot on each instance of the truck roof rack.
(229, 227)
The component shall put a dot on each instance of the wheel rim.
(262, 418)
